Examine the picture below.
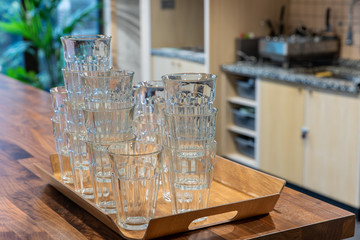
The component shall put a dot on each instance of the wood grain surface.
(32, 209)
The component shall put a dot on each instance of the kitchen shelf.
(242, 101)
(241, 130)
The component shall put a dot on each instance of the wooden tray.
(237, 192)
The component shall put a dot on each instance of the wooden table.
(31, 209)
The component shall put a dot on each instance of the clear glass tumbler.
(73, 86)
(87, 52)
(101, 172)
(108, 122)
(190, 178)
(66, 174)
(191, 129)
(136, 182)
(108, 86)
(58, 97)
(145, 95)
(146, 127)
(189, 89)
(80, 163)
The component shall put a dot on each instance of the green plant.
(35, 22)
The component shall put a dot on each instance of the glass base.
(67, 178)
(167, 197)
(134, 223)
(88, 193)
(108, 207)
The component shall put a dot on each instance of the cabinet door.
(165, 65)
(162, 65)
(281, 120)
(331, 150)
(192, 67)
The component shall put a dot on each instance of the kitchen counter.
(303, 76)
(30, 208)
(184, 54)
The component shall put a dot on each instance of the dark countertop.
(188, 55)
(304, 76)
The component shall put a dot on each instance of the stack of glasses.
(189, 146)
(93, 112)
(178, 113)
(83, 55)
(58, 96)
(113, 140)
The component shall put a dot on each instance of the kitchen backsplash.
(311, 13)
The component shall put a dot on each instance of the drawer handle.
(304, 132)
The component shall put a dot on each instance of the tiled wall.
(311, 13)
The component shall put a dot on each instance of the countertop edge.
(288, 75)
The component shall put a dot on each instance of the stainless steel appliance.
(299, 49)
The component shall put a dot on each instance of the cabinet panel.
(332, 148)
(281, 120)
(161, 66)
(187, 66)
(165, 65)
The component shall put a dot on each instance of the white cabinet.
(281, 120)
(311, 139)
(331, 161)
(165, 65)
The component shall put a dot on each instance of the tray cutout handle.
(213, 219)
(177, 223)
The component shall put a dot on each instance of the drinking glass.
(80, 163)
(136, 181)
(87, 52)
(73, 86)
(66, 174)
(101, 172)
(58, 96)
(107, 122)
(190, 178)
(75, 121)
(189, 89)
(191, 128)
(165, 169)
(107, 86)
(146, 127)
(145, 95)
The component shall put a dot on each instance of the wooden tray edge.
(82, 202)
(175, 223)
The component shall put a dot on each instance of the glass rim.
(213, 111)
(64, 69)
(158, 151)
(124, 106)
(57, 88)
(212, 145)
(202, 77)
(86, 37)
(122, 73)
(109, 143)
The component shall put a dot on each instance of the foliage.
(34, 21)
(24, 76)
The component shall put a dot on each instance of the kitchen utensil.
(281, 22)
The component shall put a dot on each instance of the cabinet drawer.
(244, 117)
(246, 88)
(245, 145)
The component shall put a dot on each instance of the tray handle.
(178, 223)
